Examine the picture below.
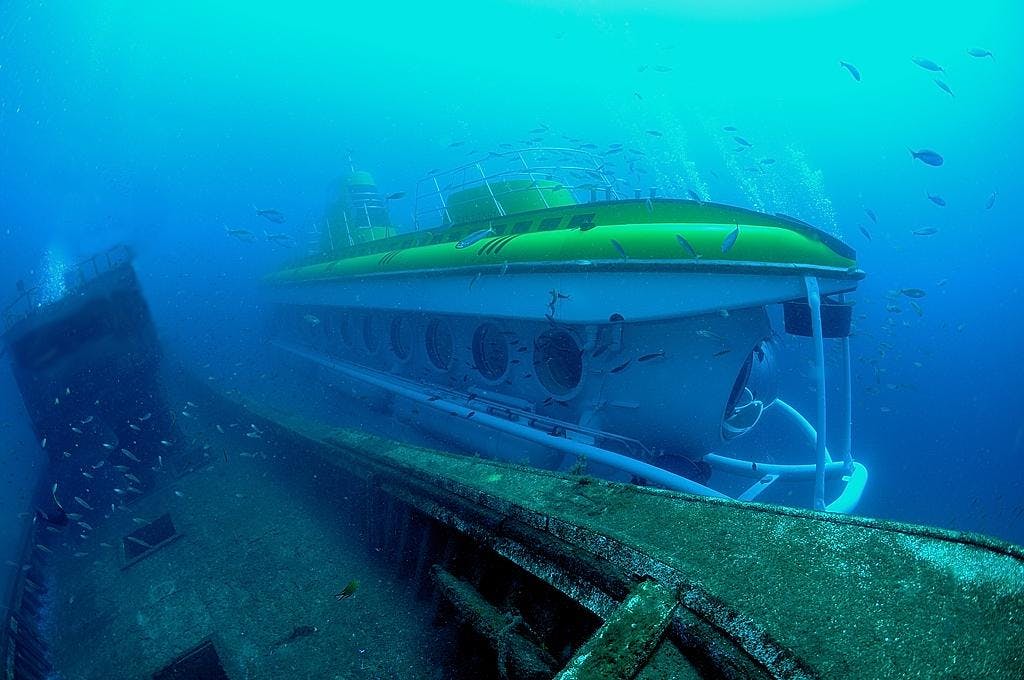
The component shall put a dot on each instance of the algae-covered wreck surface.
(815, 594)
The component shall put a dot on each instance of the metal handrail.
(541, 163)
(27, 301)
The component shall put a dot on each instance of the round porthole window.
(401, 337)
(558, 361)
(371, 333)
(490, 351)
(440, 345)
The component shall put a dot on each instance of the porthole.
(371, 333)
(401, 336)
(558, 361)
(490, 351)
(440, 345)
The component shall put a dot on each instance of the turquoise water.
(162, 126)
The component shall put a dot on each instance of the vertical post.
(814, 301)
(846, 443)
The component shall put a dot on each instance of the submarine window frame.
(371, 333)
(491, 362)
(437, 359)
(522, 227)
(566, 381)
(401, 336)
(550, 224)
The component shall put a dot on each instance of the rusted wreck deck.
(736, 589)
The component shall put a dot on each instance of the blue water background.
(160, 125)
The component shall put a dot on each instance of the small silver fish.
(87, 475)
(85, 525)
(730, 239)
(131, 456)
(44, 548)
(686, 246)
(138, 541)
(74, 516)
(132, 477)
(474, 237)
(852, 69)
(165, 442)
(43, 443)
(135, 427)
(76, 430)
(991, 201)
(928, 64)
(86, 420)
(179, 494)
(145, 416)
(83, 503)
(944, 87)
(109, 446)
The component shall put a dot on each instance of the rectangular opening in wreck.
(199, 663)
(148, 538)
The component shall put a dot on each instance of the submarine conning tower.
(359, 214)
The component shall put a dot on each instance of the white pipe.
(422, 396)
(814, 301)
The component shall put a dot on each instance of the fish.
(653, 355)
(852, 69)
(274, 216)
(108, 446)
(279, 238)
(395, 196)
(240, 234)
(135, 427)
(767, 161)
(686, 246)
(991, 201)
(621, 367)
(694, 196)
(474, 237)
(74, 516)
(730, 128)
(742, 142)
(85, 525)
(145, 416)
(722, 352)
(311, 319)
(76, 430)
(927, 156)
(43, 548)
(132, 477)
(83, 503)
(980, 53)
(164, 442)
(348, 591)
(913, 292)
(730, 239)
(297, 633)
(662, 69)
(926, 231)
(711, 335)
(138, 541)
(455, 144)
(917, 308)
(43, 443)
(131, 456)
(937, 200)
(104, 544)
(654, 133)
(86, 420)
(619, 249)
(928, 64)
(87, 475)
(122, 468)
(179, 494)
(867, 234)
(944, 87)
(871, 215)
(638, 96)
